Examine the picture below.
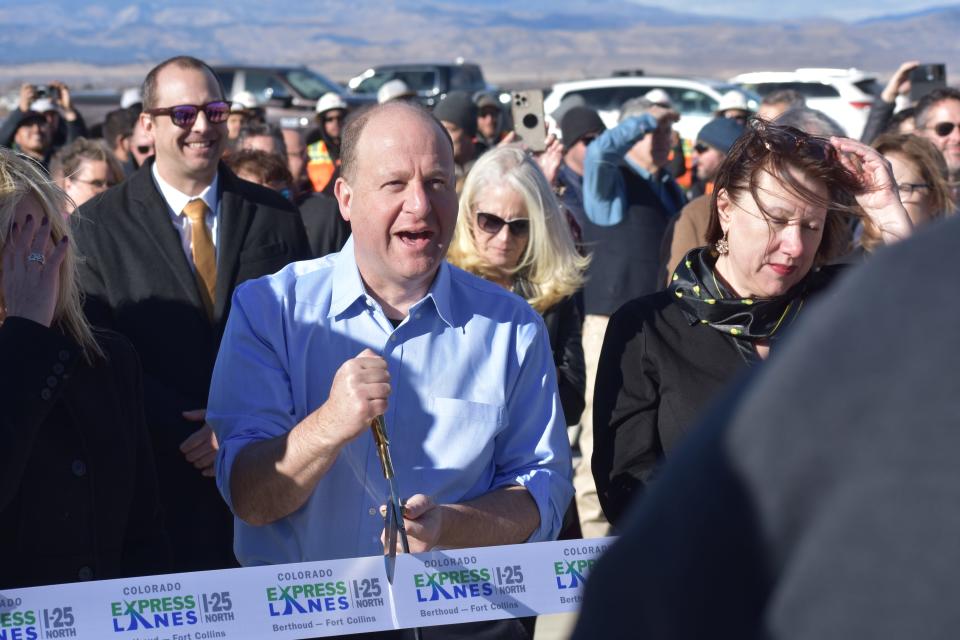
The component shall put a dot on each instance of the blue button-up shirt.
(474, 404)
(604, 190)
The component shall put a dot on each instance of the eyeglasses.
(907, 189)
(99, 184)
(492, 224)
(943, 129)
(184, 115)
(334, 118)
(144, 149)
(701, 148)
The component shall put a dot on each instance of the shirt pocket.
(463, 433)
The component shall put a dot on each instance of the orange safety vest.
(320, 166)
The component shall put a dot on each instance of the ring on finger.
(36, 257)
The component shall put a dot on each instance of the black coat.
(139, 281)
(78, 487)
(656, 374)
(327, 231)
(564, 327)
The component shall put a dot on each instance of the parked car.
(288, 94)
(845, 95)
(695, 99)
(430, 81)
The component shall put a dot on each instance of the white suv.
(843, 94)
(696, 100)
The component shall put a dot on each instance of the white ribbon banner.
(311, 599)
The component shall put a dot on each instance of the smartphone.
(925, 78)
(528, 123)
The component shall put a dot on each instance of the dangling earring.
(722, 246)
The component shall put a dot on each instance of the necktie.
(204, 256)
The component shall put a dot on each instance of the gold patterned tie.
(204, 256)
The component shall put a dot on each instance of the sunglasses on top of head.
(492, 224)
(184, 115)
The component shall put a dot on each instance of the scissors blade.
(390, 557)
(398, 508)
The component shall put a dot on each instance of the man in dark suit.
(164, 252)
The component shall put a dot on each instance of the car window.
(690, 102)
(310, 84)
(686, 101)
(466, 78)
(226, 81)
(806, 89)
(264, 85)
(607, 98)
(869, 86)
(416, 79)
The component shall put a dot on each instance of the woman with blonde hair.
(77, 480)
(511, 231)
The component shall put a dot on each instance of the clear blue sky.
(772, 9)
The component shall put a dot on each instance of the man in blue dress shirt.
(460, 368)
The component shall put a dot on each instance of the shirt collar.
(177, 200)
(348, 286)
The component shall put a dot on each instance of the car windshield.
(416, 79)
(806, 89)
(310, 84)
(686, 101)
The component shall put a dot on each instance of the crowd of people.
(202, 312)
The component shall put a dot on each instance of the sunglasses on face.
(184, 115)
(701, 148)
(492, 224)
(943, 129)
(335, 118)
(144, 149)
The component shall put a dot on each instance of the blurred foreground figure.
(78, 489)
(820, 500)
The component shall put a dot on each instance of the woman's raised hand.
(31, 271)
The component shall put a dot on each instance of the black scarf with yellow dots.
(705, 300)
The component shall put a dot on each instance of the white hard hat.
(243, 101)
(732, 99)
(394, 89)
(130, 97)
(659, 97)
(330, 101)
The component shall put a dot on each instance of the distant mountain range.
(111, 42)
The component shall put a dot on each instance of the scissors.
(394, 515)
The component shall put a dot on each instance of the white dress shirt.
(176, 200)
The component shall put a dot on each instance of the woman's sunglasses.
(184, 115)
(489, 223)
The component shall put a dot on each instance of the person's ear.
(146, 121)
(344, 195)
(724, 209)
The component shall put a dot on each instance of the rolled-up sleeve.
(533, 450)
(250, 394)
